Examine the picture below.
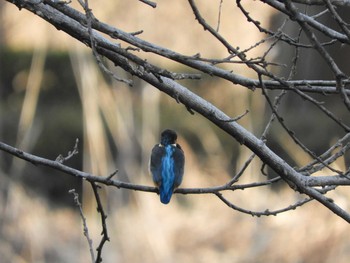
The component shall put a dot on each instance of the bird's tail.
(165, 194)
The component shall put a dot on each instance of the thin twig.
(219, 16)
(104, 233)
(150, 3)
(89, 18)
(60, 158)
(85, 227)
(266, 212)
(291, 133)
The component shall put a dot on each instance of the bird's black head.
(168, 137)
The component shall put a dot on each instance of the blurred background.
(52, 92)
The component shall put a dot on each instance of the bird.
(167, 165)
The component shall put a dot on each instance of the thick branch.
(331, 33)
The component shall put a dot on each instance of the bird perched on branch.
(167, 165)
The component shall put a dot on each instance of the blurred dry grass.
(192, 228)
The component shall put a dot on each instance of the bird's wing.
(155, 164)
(179, 160)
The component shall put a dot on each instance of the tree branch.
(101, 211)
(309, 181)
(85, 227)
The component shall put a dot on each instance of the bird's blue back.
(167, 174)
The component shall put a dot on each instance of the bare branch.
(104, 233)
(85, 227)
(333, 34)
(60, 158)
(302, 184)
(267, 212)
(150, 3)
(321, 2)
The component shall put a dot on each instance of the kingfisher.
(167, 165)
